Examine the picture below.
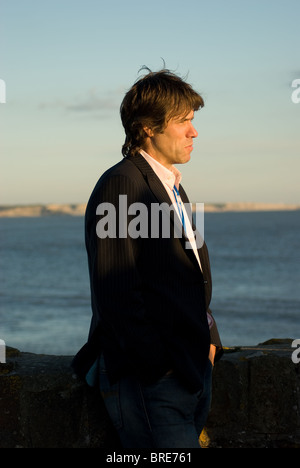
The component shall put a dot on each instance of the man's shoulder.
(121, 176)
(125, 168)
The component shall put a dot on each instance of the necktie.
(179, 205)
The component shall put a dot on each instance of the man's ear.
(148, 131)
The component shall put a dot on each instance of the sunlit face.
(175, 144)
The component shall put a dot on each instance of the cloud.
(92, 103)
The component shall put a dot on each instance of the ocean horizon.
(78, 209)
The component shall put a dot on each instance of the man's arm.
(216, 349)
(117, 285)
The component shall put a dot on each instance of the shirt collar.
(168, 177)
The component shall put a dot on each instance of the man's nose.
(192, 131)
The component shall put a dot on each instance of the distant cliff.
(15, 211)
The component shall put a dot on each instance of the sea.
(45, 294)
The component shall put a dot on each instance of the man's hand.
(212, 353)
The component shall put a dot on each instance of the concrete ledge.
(256, 398)
(256, 402)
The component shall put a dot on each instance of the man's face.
(175, 144)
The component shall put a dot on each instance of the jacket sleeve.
(215, 338)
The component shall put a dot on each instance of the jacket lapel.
(162, 196)
(203, 255)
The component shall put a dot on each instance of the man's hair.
(151, 102)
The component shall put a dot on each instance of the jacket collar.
(152, 179)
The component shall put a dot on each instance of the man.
(152, 339)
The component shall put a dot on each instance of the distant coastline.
(22, 211)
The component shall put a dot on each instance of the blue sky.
(68, 63)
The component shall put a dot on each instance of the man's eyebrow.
(184, 118)
(188, 118)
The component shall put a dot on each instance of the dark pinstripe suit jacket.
(149, 297)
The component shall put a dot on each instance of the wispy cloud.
(92, 103)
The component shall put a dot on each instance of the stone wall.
(256, 402)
